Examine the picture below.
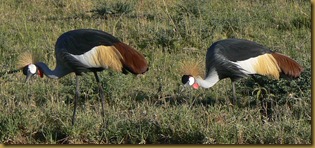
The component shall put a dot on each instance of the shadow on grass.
(173, 99)
(263, 102)
(59, 136)
(150, 132)
(55, 134)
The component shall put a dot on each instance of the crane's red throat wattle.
(40, 73)
(195, 85)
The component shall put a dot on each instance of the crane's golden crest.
(25, 59)
(109, 56)
(189, 67)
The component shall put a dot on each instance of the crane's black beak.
(184, 87)
(28, 76)
(29, 70)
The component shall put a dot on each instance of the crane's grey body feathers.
(80, 41)
(237, 49)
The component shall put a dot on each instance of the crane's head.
(31, 70)
(26, 62)
(190, 70)
(189, 80)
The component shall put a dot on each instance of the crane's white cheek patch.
(191, 80)
(32, 68)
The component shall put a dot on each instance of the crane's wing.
(82, 41)
(238, 49)
(236, 58)
(133, 62)
(223, 55)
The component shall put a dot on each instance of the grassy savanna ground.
(152, 108)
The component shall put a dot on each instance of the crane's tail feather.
(133, 61)
(267, 66)
(274, 64)
(109, 56)
(287, 65)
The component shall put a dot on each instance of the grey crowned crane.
(87, 50)
(239, 58)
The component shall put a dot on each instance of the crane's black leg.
(234, 95)
(77, 94)
(101, 92)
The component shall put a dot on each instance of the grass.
(151, 109)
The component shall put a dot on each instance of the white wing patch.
(101, 56)
(248, 66)
(90, 58)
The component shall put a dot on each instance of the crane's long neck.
(58, 72)
(211, 79)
